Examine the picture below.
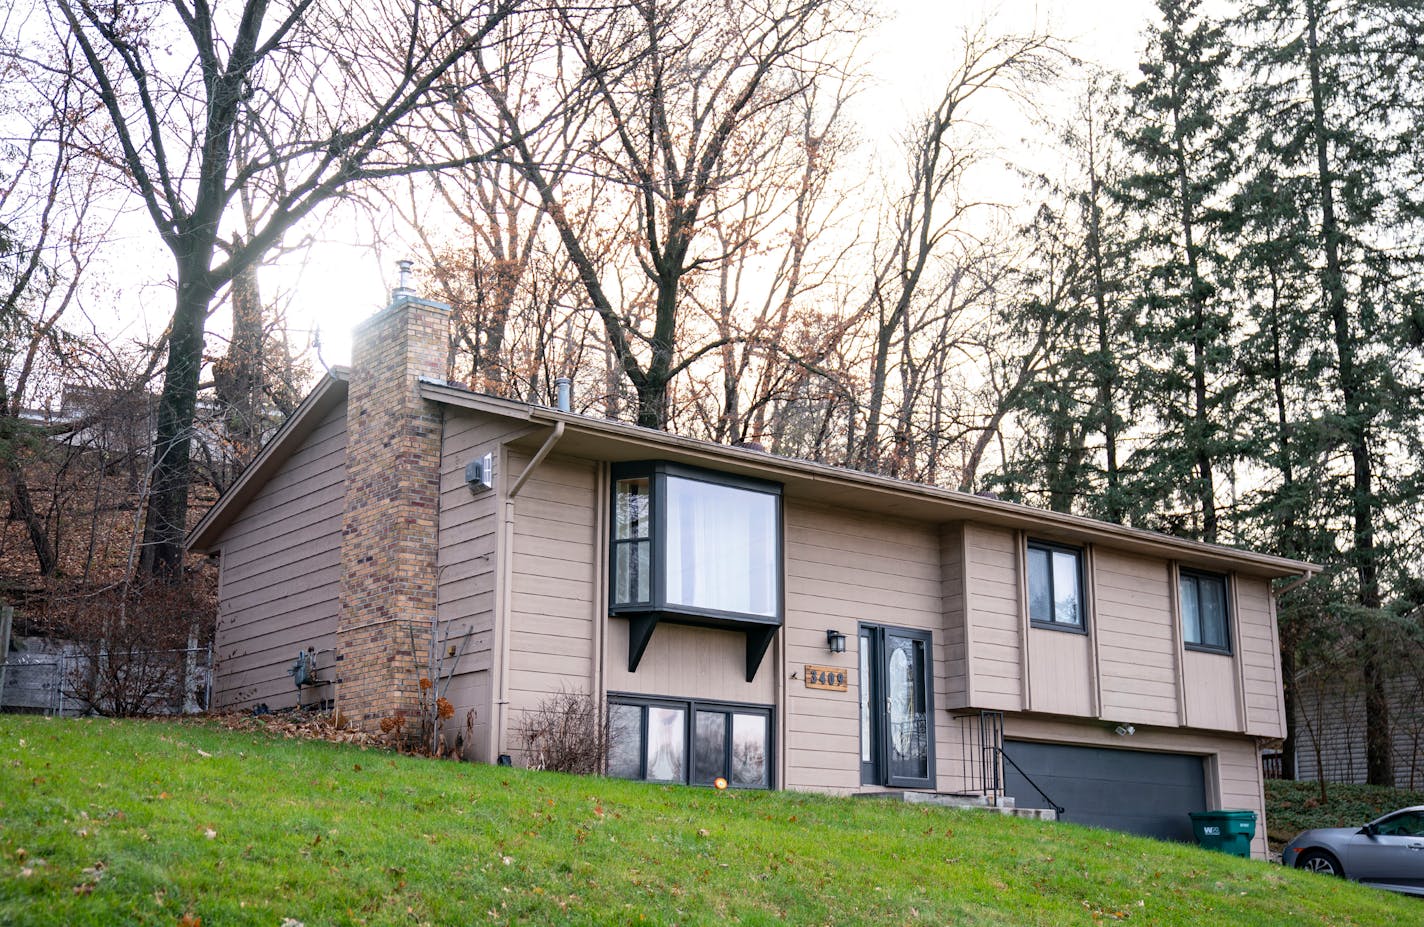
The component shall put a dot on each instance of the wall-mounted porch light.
(835, 640)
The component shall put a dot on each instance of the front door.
(896, 707)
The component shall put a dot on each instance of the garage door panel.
(1128, 790)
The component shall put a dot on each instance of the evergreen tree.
(1072, 418)
(1334, 89)
(1180, 133)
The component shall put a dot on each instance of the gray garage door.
(1129, 790)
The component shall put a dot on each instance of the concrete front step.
(1002, 804)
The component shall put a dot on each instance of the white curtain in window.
(721, 548)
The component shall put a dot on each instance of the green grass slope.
(109, 823)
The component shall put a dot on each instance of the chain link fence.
(57, 678)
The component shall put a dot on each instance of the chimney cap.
(403, 289)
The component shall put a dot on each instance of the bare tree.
(482, 227)
(910, 283)
(687, 103)
(51, 227)
(319, 86)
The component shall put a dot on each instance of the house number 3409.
(826, 677)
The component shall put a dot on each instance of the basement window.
(695, 546)
(689, 742)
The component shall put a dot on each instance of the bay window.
(697, 547)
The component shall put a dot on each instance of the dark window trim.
(645, 616)
(1080, 555)
(877, 771)
(1225, 580)
(691, 706)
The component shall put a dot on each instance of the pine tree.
(1180, 132)
(1335, 97)
(1072, 419)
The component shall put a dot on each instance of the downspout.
(1304, 578)
(506, 594)
(598, 688)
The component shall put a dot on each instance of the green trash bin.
(1225, 831)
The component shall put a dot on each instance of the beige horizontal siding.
(281, 572)
(992, 612)
(1209, 681)
(689, 662)
(468, 532)
(1137, 644)
(1060, 668)
(951, 559)
(551, 624)
(1260, 658)
(844, 568)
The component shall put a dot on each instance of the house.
(776, 622)
(1330, 719)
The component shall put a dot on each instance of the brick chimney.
(389, 528)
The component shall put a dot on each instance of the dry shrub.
(567, 732)
(134, 645)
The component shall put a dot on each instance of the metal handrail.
(1057, 808)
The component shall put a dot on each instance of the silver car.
(1387, 852)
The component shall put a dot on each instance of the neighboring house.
(706, 592)
(1330, 722)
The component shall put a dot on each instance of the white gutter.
(506, 594)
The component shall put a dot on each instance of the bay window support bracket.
(758, 639)
(640, 631)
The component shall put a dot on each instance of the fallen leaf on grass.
(204, 753)
(209, 833)
(190, 920)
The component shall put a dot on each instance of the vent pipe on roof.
(564, 390)
(403, 286)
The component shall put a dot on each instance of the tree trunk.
(166, 521)
(1377, 734)
(1290, 693)
(1201, 425)
(238, 377)
(1104, 366)
(45, 547)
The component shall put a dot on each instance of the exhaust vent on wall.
(479, 473)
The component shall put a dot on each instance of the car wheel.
(1321, 862)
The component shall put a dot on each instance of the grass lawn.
(106, 823)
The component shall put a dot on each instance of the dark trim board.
(1136, 791)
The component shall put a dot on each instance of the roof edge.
(329, 391)
(996, 510)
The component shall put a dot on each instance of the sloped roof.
(324, 397)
